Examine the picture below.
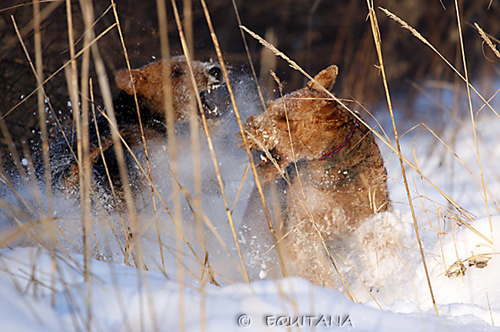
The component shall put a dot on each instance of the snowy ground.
(47, 292)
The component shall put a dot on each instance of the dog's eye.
(176, 73)
(216, 72)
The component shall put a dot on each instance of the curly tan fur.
(150, 85)
(330, 196)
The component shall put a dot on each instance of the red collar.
(354, 126)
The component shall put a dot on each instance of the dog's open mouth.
(207, 99)
(210, 110)
(268, 157)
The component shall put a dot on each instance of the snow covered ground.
(45, 291)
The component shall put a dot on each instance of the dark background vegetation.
(313, 33)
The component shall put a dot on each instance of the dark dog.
(149, 85)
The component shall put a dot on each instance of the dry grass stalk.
(85, 186)
(268, 62)
(193, 119)
(378, 41)
(303, 200)
(177, 225)
(245, 143)
(361, 280)
(421, 38)
(45, 148)
(172, 145)
(250, 62)
(41, 104)
(203, 261)
(489, 306)
(276, 52)
(472, 117)
(187, 23)
(487, 40)
(383, 139)
(456, 156)
(426, 42)
(42, 15)
(77, 55)
(149, 175)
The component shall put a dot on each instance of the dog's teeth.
(212, 87)
(263, 158)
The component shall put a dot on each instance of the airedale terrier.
(149, 86)
(330, 171)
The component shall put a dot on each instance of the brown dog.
(149, 85)
(341, 177)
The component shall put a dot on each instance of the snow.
(45, 290)
(134, 300)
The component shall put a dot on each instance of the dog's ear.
(325, 78)
(123, 81)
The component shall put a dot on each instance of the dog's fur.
(149, 86)
(331, 194)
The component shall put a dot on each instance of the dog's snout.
(215, 72)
